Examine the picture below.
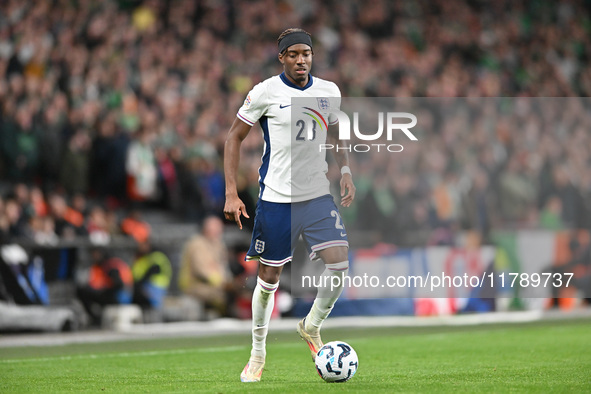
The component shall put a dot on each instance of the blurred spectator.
(43, 230)
(517, 193)
(52, 142)
(142, 172)
(110, 282)
(193, 204)
(167, 179)
(212, 184)
(570, 198)
(97, 225)
(80, 204)
(75, 165)
(205, 273)
(135, 227)
(22, 197)
(17, 224)
(38, 201)
(68, 221)
(152, 272)
(378, 207)
(551, 214)
(109, 152)
(479, 205)
(19, 145)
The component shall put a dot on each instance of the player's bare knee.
(334, 255)
(270, 274)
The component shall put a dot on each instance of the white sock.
(263, 300)
(327, 296)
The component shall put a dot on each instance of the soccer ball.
(336, 362)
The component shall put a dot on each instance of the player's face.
(297, 62)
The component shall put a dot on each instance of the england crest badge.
(323, 103)
(259, 246)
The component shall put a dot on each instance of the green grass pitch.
(551, 356)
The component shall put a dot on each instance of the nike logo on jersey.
(343, 234)
(284, 106)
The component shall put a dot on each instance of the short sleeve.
(254, 105)
(335, 102)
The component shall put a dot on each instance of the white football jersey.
(293, 167)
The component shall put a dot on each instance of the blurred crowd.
(27, 215)
(127, 103)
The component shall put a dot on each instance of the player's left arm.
(342, 158)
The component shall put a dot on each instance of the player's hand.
(347, 190)
(234, 208)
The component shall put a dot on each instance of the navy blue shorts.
(277, 227)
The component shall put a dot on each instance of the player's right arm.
(234, 206)
(251, 111)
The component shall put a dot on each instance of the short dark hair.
(289, 31)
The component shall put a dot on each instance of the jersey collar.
(292, 85)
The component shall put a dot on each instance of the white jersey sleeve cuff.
(242, 118)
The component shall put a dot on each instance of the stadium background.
(82, 83)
